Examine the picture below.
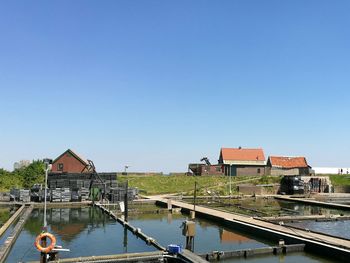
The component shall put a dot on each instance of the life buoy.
(49, 247)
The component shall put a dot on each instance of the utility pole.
(126, 201)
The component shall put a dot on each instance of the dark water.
(85, 231)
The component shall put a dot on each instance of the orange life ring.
(48, 248)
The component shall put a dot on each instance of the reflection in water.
(85, 231)
(231, 237)
(5, 213)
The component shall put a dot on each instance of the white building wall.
(331, 170)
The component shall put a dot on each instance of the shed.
(287, 165)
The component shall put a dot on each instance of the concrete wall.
(249, 189)
(342, 189)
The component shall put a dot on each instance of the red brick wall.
(70, 164)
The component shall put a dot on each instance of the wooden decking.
(340, 247)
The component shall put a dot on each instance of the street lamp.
(48, 165)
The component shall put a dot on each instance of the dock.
(185, 255)
(10, 241)
(314, 242)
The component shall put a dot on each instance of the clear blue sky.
(159, 84)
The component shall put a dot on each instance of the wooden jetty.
(185, 255)
(11, 239)
(315, 242)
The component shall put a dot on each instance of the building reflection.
(67, 223)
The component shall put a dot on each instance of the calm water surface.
(210, 236)
(85, 231)
(335, 228)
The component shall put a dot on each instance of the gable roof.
(288, 162)
(78, 157)
(242, 156)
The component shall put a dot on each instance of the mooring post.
(193, 213)
(126, 201)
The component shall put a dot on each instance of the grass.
(162, 184)
(340, 180)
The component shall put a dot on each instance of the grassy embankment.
(339, 179)
(182, 184)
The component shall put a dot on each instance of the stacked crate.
(118, 194)
(65, 195)
(56, 195)
(84, 194)
(24, 195)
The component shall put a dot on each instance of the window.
(259, 170)
(60, 167)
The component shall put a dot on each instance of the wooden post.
(193, 215)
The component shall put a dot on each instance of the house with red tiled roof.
(70, 162)
(286, 165)
(243, 161)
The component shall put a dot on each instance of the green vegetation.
(22, 178)
(340, 179)
(182, 184)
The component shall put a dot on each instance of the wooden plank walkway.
(318, 218)
(9, 242)
(340, 247)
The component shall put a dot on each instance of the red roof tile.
(288, 162)
(240, 154)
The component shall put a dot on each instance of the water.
(335, 228)
(85, 231)
(210, 236)
(166, 229)
(6, 212)
(269, 207)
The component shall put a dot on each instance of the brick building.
(69, 162)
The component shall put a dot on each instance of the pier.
(314, 242)
(185, 255)
(11, 239)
